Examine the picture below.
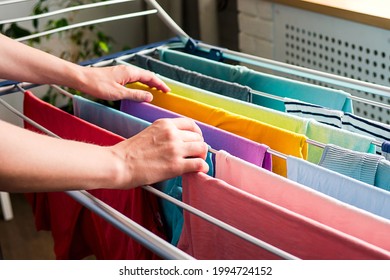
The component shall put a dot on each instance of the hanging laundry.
(218, 139)
(192, 78)
(271, 223)
(347, 121)
(317, 132)
(276, 85)
(357, 165)
(319, 113)
(108, 118)
(302, 200)
(326, 134)
(339, 186)
(278, 139)
(128, 126)
(260, 113)
(386, 149)
(382, 177)
(76, 231)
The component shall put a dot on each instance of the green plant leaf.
(104, 47)
(15, 31)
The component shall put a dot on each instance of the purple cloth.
(218, 139)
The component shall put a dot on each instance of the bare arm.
(166, 149)
(22, 63)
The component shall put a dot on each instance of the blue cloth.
(128, 126)
(339, 186)
(108, 118)
(278, 86)
(193, 78)
(358, 165)
(386, 149)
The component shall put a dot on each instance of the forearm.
(25, 64)
(47, 164)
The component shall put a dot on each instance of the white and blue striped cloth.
(350, 122)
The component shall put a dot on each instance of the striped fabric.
(358, 165)
(339, 186)
(379, 131)
(347, 121)
(319, 113)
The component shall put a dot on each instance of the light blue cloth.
(382, 178)
(360, 166)
(331, 135)
(338, 186)
(127, 126)
(278, 86)
(108, 118)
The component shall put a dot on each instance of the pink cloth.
(76, 231)
(280, 227)
(303, 200)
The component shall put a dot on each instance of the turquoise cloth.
(196, 79)
(382, 178)
(127, 126)
(278, 86)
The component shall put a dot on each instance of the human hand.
(164, 150)
(108, 82)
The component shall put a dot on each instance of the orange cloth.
(281, 140)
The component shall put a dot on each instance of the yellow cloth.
(266, 115)
(281, 140)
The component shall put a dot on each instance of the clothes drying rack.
(157, 245)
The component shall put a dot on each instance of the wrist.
(117, 172)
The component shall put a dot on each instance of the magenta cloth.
(280, 227)
(218, 139)
(77, 232)
(303, 200)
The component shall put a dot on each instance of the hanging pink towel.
(77, 232)
(303, 200)
(280, 227)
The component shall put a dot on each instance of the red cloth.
(77, 232)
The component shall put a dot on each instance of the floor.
(19, 240)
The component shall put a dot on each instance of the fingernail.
(148, 97)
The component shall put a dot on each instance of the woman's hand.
(108, 82)
(166, 149)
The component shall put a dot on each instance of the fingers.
(147, 77)
(137, 95)
(195, 165)
(186, 124)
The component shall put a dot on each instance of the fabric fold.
(128, 126)
(271, 223)
(302, 200)
(339, 186)
(360, 166)
(218, 139)
(278, 139)
(272, 84)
